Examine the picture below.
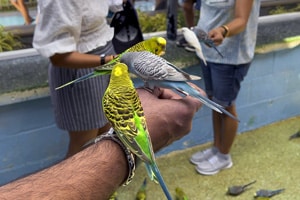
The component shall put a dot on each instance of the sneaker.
(183, 43)
(190, 48)
(203, 155)
(214, 164)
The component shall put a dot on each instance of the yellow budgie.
(155, 45)
(122, 107)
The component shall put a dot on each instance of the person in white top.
(76, 37)
(231, 24)
(22, 8)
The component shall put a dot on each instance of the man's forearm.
(75, 178)
(96, 172)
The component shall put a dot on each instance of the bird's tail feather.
(107, 66)
(161, 180)
(209, 103)
(193, 77)
(82, 78)
(151, 174)
(201, 56)
(218, 52)
(277, 191)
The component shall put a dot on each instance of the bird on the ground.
(238, 189)
(295, 135)
(267, 193)
(180, 194)
(141, 193)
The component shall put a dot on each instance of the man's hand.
(169, 116)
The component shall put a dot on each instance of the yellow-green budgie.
(123, 108)
(180, 194)
(156, 45)
(141, 193)
(113, 196)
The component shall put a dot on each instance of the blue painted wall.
(30, 140)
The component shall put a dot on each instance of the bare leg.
(22, 8)
(225, 129)
(79, 138)
(188, 11)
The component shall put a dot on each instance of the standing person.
(232, 25)
(75, 36)
(188, 7)
(22, 8)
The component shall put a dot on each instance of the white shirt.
(72, 25)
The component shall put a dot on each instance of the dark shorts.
(223, 81)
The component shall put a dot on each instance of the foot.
(203, 155)
(214, 164)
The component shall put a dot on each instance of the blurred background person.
(22, 8)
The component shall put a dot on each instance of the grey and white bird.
(203, 37)
(192, 40)
(156, 71)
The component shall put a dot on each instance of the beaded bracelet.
(111, 135)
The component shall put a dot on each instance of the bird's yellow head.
(119, 69)
(158, 45)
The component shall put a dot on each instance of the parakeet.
(180, 194)
(141, 193)
(113, 196)
(158, 72)
(267, 193)
(295, 135)
(122, 107)
(192, 39)
(156, 45)
(149, 66)
(238, 189)
(203, 37)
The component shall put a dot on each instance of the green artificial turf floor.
(265, 155)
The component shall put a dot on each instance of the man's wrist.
(130, 158)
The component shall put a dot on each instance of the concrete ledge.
(23, 70)
(274, 28)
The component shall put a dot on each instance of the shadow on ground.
(265, 155)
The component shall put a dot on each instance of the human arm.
(88, 174)
(66, 28)
(236, 25)
(78, 60)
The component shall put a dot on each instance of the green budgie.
(158, 72)
(156, 45)
(180, 194)
(113, 196)
(141, 193)
(123, 108)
